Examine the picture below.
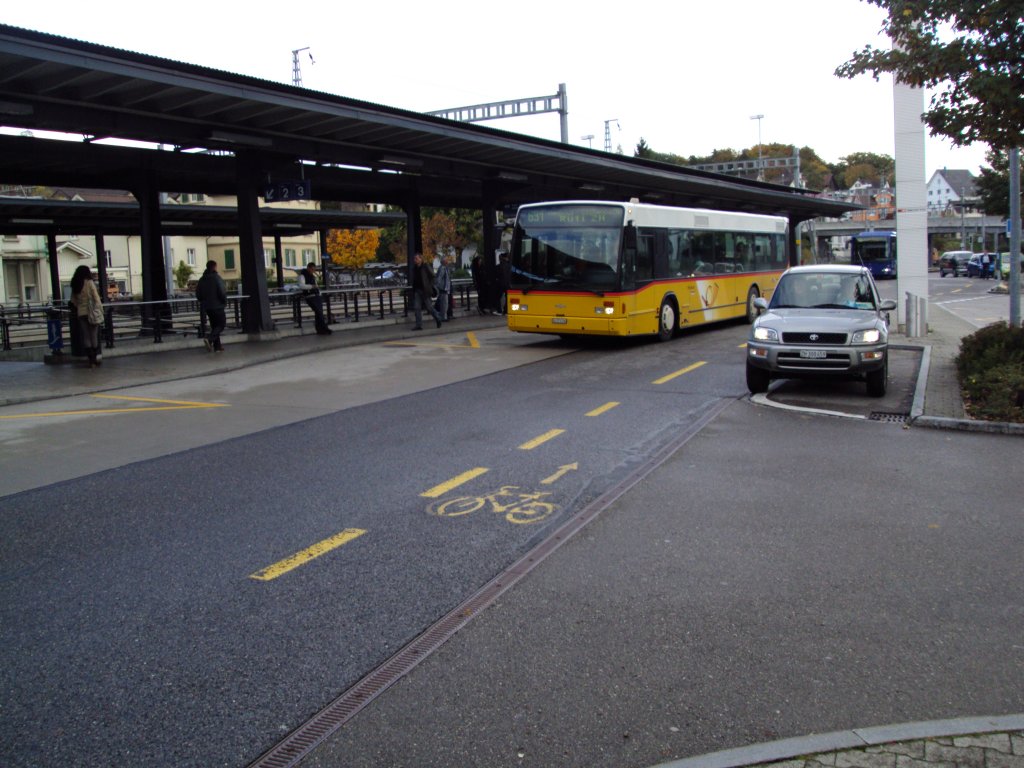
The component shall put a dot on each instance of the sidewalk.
(138, 362)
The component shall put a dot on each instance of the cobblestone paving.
(993, 750)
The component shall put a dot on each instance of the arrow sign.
(562, 470)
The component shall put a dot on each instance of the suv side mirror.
(887, 306)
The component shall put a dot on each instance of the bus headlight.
(517, 307)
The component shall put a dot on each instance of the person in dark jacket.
(311, 293)
(422, 288)
(213, 300)
(476, 269)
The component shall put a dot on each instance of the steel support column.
(256, 306)
(414, 228)
(101, 265)
(154, 283)
(278, 262)
(51, 254)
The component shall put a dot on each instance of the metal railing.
(28, 326)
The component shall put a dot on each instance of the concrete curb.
(788, 749)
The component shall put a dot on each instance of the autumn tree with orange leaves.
(352, 248)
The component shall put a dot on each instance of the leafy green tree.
(993, 184)
(182, 274)
(977, 75)
(643, 149)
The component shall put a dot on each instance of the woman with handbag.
(88, 311)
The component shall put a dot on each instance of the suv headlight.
(870, 336)
(762, 333)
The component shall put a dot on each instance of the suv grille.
(818, 338)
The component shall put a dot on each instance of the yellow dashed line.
(671, 376)
(455, 482)
(540, 439)
(309, 553)
(603, 409)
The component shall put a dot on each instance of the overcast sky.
(687, 76)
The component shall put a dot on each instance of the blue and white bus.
(876, 250)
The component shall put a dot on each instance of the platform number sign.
(283, 191)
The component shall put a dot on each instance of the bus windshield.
(567, 247)
(871, 250)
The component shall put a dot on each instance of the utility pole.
(1015, 276)
(608, 132)
(760, 160)
(296, 69)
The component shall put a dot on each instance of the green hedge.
(991, 370)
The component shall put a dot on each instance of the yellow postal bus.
(626, 269)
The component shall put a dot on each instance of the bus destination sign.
(573, 216)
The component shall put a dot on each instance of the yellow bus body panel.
(698, 300)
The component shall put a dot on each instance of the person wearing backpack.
(213, 300)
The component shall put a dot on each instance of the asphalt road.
(133, 629)
(184, 587)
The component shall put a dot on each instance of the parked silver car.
(824, 321)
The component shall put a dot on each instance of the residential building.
(948, 190)
(25, 273)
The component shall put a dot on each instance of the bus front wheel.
(752, 294)
(666, 320)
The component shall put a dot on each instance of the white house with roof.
(949, 188)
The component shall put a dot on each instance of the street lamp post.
(760, 167)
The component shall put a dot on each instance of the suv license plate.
(813, 354)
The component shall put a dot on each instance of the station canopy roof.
(193, 128)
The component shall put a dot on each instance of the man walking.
(213, 299)
(443, 283)
(422, 287)
(311, 292)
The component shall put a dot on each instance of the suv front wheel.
(878, 381)
(758, 379)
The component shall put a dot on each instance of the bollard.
(917, 316)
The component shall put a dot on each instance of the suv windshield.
(828, 290)
(567, 247)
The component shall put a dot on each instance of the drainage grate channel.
(895, 418)
(290, 751)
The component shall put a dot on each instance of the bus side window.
(679, 260)
(644, 255)
(762, 256)
(703, 251)
(744, 261)
(663, 253)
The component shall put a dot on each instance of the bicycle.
(526, 508)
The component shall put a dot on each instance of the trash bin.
(54, 333)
